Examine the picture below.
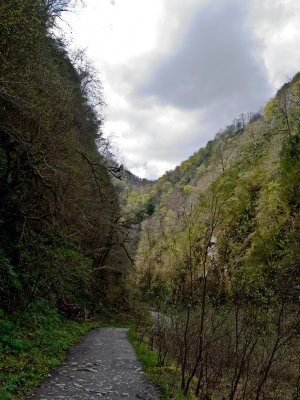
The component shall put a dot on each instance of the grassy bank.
(32, 346)
(166, 378)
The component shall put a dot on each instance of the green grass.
(166, 378)
(38, 342)
(27, 356)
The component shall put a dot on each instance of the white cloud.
(129, 40)
(154, 139)
(276, 24)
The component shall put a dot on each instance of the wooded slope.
(238, 195)
(219, 254)
(59, 214)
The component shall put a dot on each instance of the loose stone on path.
(102, 366)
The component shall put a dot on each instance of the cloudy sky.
(174, 72)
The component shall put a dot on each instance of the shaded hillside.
(219, 253)
(59, 212)
(63, 243)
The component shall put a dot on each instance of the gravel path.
(103, 365)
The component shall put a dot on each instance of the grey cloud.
(205, 69)
(215, 66)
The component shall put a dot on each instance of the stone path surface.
(102, 366)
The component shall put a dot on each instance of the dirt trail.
(103, 365)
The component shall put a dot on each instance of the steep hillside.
(219, 252)
(58, 208)
(63, 250)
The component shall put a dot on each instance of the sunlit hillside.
(219, 254)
